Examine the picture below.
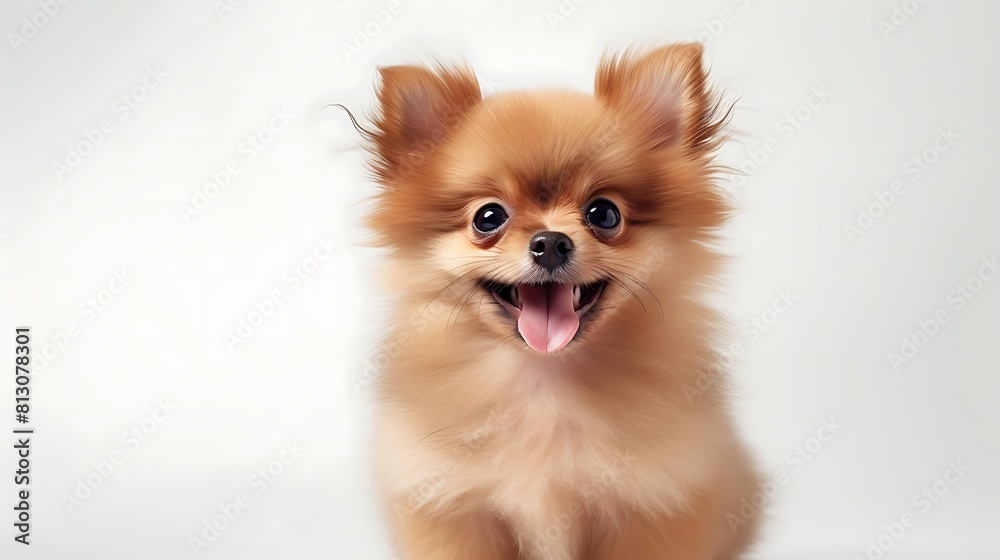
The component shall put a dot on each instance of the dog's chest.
(548, 480)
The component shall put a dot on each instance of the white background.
(192, 279)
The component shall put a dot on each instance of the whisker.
(617, 280)
(467, 296)
(638, 266)
(435, 431)
(450, 284)
(645, 287)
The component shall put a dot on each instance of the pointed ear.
(666, 88)
(417, 107)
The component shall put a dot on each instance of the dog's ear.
(417, 107)
(666, 89)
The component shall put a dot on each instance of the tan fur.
(618, 446)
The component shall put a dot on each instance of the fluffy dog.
(554, 392)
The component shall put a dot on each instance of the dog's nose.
(550, 249)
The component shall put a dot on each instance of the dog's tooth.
(576, 296)
(515, 297)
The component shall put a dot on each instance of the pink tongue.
(548, 321)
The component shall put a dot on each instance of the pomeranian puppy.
(554, 390)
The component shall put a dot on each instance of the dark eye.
(489, 218)
(603, 214)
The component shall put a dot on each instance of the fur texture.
(617, 446)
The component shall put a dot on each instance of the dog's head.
(542, 215)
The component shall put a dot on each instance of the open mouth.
(548, 314)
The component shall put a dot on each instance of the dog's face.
(545, 214)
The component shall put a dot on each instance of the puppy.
(553, 390)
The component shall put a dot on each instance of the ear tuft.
(667, 88)
(417, 108)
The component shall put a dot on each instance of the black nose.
(550, 248)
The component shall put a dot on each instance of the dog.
(555, 391)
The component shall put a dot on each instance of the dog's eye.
(603, 214)
(489, 218)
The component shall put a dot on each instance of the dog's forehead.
(533, 140)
